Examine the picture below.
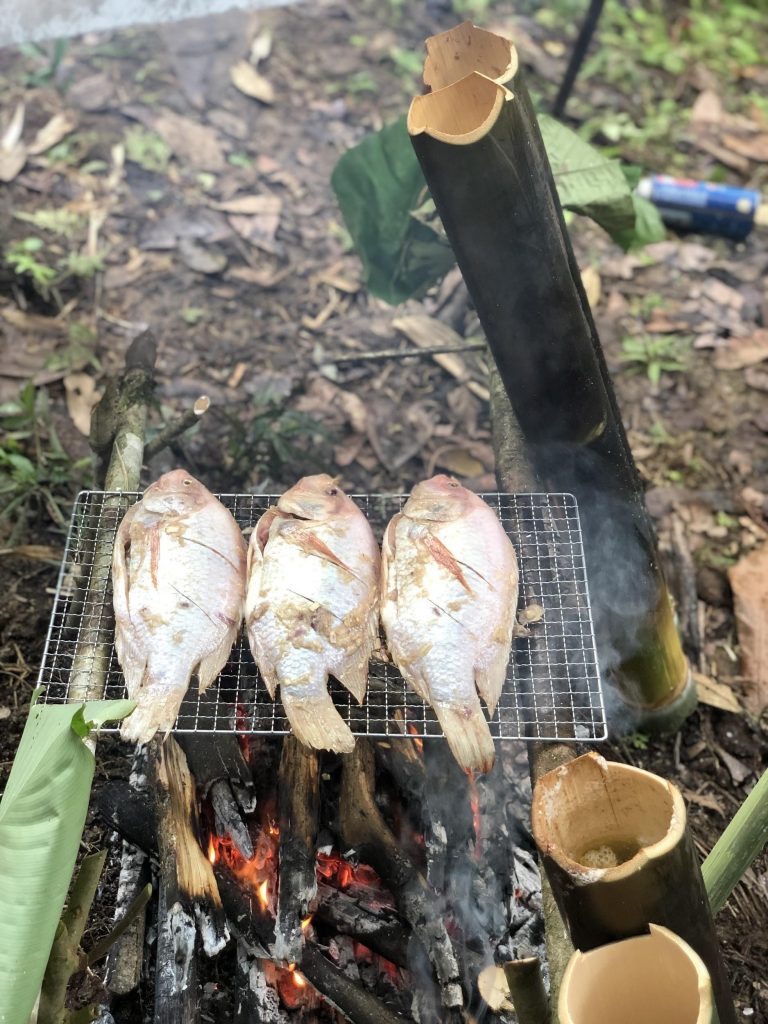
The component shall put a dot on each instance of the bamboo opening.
(595, 815)
(460, 113)
(650, 979)
(466, 48)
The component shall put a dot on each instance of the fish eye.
(453, 483)
(332, 492)
(187, 483)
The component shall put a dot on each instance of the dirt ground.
(253, 302)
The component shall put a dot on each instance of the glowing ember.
(306, 923)
(474, 802)
(299, 979)
(417, 741)
(212, 857)
(263, 892)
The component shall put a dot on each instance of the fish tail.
(468, 735)
(155, 711)
(316, 723)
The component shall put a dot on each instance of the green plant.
(656, 355)
(146, 149)
(20, 256)
(274, 437)
(51, 61)
(37, 475)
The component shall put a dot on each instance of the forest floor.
(161, 195)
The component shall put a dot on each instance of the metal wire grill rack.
(552, 689)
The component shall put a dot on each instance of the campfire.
(385, 883)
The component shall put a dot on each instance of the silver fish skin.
(449, 592)
(312, 605)
(178, 579)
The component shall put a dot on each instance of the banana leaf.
(42, 814)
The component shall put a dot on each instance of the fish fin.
(414, 678)
(388, 587)
(155, 712)
(441, 554)
(312, 544)
(269, 675)
(468, 735)
(316, 723)
(213, 663)
(355, 679)
(491, 678)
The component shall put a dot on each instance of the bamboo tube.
(481, 151)
(650, 979)
(526, 989)
(743, 840)
(618, 854)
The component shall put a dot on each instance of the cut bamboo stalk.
(650, 979)
(483, 158)
(618, 853)
(526, 990)
(743, 840)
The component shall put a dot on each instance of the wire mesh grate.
(552, 690)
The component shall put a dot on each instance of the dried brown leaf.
(247, 79)
(259, 229)
(590, 278)
(742, 352)
(82, 395)
(717, 695)
(458, 461)
(753, 147)
(196, 144)
(749, 581)
(250, 205)
(704, 800)
(429, 332)
(707, 110)
(59, 126)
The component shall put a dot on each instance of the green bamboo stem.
(64, 959)
(526, 989)
(743, 840)
(656, 977)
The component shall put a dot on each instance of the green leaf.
(42, 814)
(587, 182)
(648, 226)
(378, 185)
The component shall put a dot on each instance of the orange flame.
(417, 741)
(299, 979)
(263, 892)
(474, 802)
(212, 856)
(306, 923)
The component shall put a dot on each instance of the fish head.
(176, 492)
(316, 497)
(440, 499)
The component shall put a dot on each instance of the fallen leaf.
(264, 277)
(202, 259)
(5, 713)
(753, 147)
(756, 378)
(742, 352)
(82, 395)
(749, 582)
(736, 768)
(237, 375)
(261, 228)
(13, 152)
(704, 800)
(251, 205)
(247, 79)
(429, 332)
(708, 109)
(197, 144)
(261, 47)
(347, 451)
(127, 273)
(725, 156)
(715, 694)
(95, 92)
(458, 461)
(59, 126)
(37, 552)
(590, 278)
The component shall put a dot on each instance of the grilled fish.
(448, 604)
(178, 577)
(312, 605)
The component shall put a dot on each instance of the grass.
(655, 355)
(37, 475)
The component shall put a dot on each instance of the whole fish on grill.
(448, 604)
(312, 605)
(178, 578)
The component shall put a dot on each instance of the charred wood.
(363, 828)
(401, 758)
(299, 804)
(379, 928)
(129, 812)
(258, 1001)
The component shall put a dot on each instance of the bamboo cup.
(617, 851)
(650, 979)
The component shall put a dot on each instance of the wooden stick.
(399, 353)
(363, 828)
(619, 856)
(743, 840)
(380, 929)
(526, 989)
(299, 801)
(176, 427)
(484, 161)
